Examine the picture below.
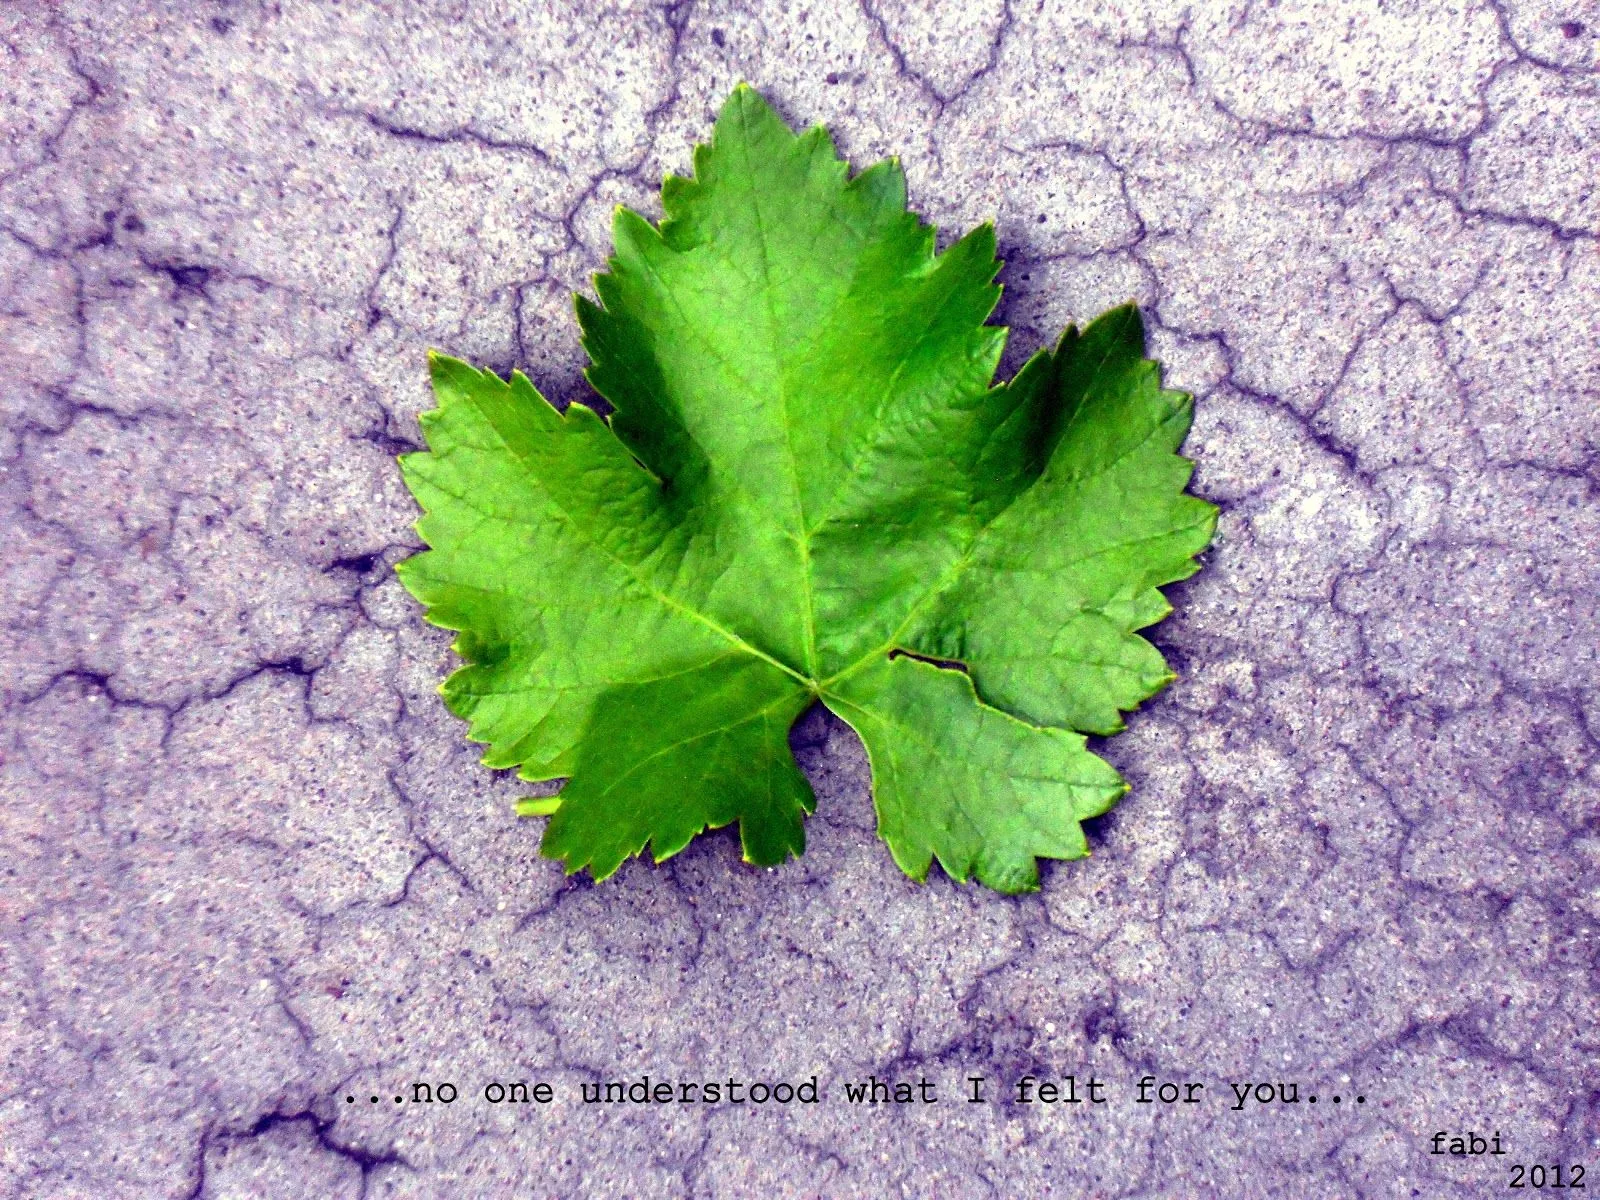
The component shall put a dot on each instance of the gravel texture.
(249, 866)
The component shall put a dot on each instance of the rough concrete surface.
(250, 866)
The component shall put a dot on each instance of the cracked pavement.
(251, 866)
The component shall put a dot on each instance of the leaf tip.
(743, 97)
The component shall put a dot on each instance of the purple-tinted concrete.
(249, 866)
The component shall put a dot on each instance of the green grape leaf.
(809, 489)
